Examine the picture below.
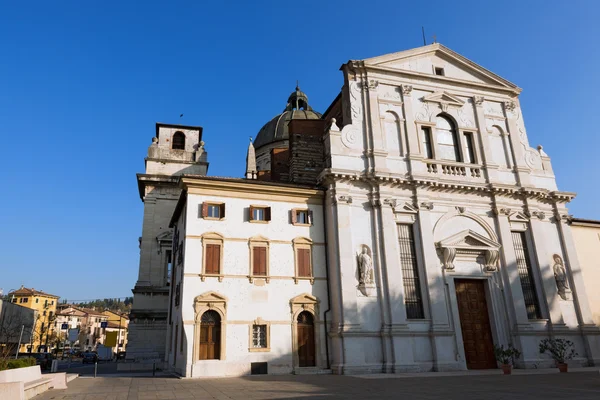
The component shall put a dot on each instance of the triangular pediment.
(425, 59)
(210, 297)
(518, 217)
(165, 236)
(304, 298)
(469, 239)
(443, 98)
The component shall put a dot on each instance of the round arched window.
(178, 141)
(447, 140)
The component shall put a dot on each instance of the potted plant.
(506, 357)
(561, 350)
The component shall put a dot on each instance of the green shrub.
(18, 363)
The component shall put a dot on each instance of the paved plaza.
(574, 385)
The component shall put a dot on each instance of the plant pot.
(506, 368)
(562, 367)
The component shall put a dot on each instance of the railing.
(453, 169)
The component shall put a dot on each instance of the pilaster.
(517, 147)
(491, 167)
(379, 153)
(412, 135)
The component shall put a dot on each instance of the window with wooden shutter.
(301, 216)
(303, 259)
(259, 265)
(212, 210)
(304, 263)
(213, 258)
(260, 214)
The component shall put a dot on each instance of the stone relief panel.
(386, 92)
(532, 156)
(356, 109)
(493, 108)
(465, 114)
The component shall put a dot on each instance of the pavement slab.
(573, 385)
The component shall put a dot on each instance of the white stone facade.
(462, 214)
(274, 300)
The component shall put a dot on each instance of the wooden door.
(475, 324)
(306, 340)
(210, 336)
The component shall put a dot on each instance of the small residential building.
(72, 317)
(16, 323)
(92, 334)
(119, 323)
(45, 305)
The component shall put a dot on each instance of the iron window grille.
(526, 275)
(410, 273)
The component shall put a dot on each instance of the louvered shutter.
(294, 216)
(268, 214)
(222, 207)
(310, 217)
(204, 212)
(304, 262)
(251, 213)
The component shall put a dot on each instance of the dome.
(277, 129)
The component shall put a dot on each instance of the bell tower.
(175, 150)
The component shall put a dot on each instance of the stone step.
(311, 371)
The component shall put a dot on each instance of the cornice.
(196, 185)
(447, 186)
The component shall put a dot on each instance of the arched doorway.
(306, 339)
(210, 336)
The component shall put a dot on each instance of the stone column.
(443, 345)
(379, 254)
(345, 271)
(486, 155)
(412, 135)
(374, 128)
(545, 269)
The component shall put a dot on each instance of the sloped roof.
(23, 291)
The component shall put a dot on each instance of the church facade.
(409, 227)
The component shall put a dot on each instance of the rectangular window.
(14, 300)
(37, 301)
(439, 71)
(427, 147)
(258, 213)
(470, 150)
(259, 336)
(304, 269)
(526, 275)
(212, 210)
(410, 273)
(302, 217)
(213, 259)
(25, 300)
(259, 261)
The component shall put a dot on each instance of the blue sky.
(82, 84)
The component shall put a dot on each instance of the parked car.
(89, 357)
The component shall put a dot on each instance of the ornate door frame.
(298, 304)
(202, 303)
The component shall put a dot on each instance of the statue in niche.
(365, 267)
(560, 275)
